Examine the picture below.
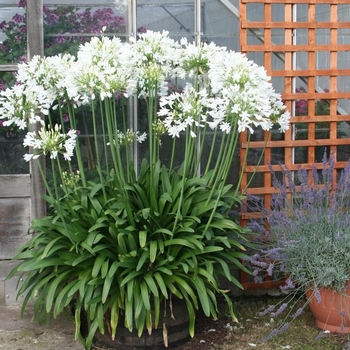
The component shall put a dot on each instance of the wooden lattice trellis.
(301, 42)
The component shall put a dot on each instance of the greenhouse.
(195, 108)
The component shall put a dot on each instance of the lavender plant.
(304, 238)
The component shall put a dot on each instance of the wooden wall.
(15, 209)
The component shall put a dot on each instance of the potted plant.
(123, 241)
(304, 239)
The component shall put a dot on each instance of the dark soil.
(210, 334)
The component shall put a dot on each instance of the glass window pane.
(13, 41)
(12, 151)
(177, 17)
(220, 24)
(68, 26)
(13, 35)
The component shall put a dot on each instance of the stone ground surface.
(17, 333)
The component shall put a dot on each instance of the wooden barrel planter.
(177, 332)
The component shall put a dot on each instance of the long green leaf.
(145, 295)
(153, 245)
(114, 317)
(143, 258)
(151, 284)
(52, 290)
(142, 238)
(202, 294)
(129, 277)
(161, 285)
(97, 265)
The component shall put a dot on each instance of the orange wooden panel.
(309, 74)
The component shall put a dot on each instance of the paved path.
(18, 333)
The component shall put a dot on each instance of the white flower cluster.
(155, 56)
(232, 90)
(40, 84)
(129, 137)
(50, 141)
(227, 89)
(183, 110)
(104, 67)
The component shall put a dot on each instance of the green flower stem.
(172, 158)
(221, 154)
(222, 170)
(183, 182)
(104, 137)
(114, 141)
(43, 176)
(212, 149)
(63, 130)
(98, 160)
(77, 146)
(54, 177)
(60, 171)
(200, 144)
(152, 117)
(257, 164)
(228, 157)
(128, 148)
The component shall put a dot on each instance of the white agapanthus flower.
(154, 57)
(103, 68)
(246, 92)
(129, 137)
(183, 110)
(18, 109)
(45, 76)
(228, 92)
(50, 141)
(195, 59)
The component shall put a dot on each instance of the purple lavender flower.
(280, 310)
(289, 285)
(270, 269)
(317, 295)
(320, 335)
(268, 310)
(297, 313)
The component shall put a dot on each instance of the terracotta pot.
(332, 313)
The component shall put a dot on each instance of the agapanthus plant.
(128, 237)
(304, 236)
